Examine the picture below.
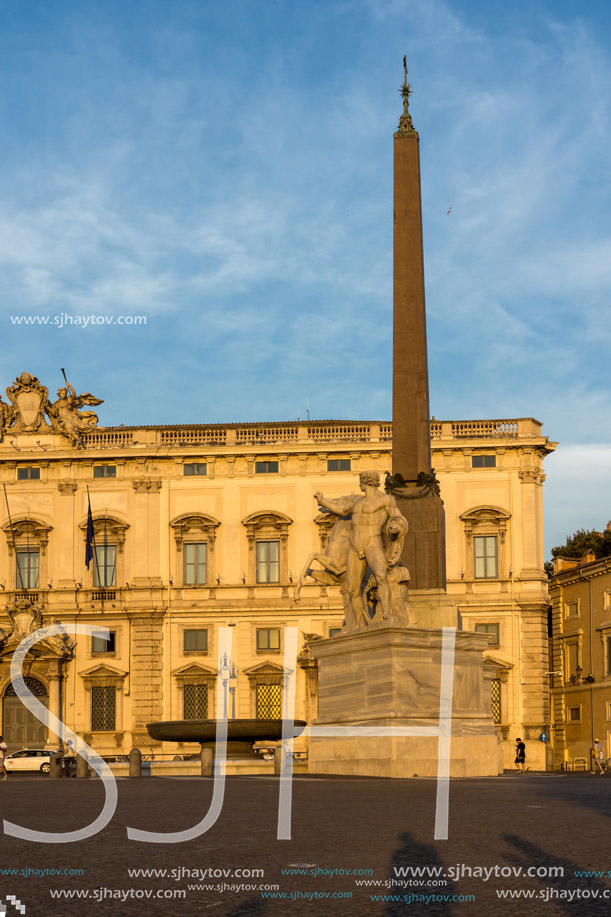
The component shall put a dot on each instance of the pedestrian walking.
(520, 756)
(3, 751)
(597, 755)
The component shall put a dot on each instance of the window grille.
(103, 708)
(269, 702)
(32, 684)
(196, 702)
(496, 700)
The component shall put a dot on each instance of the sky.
(224, 171)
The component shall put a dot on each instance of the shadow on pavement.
(414, 854)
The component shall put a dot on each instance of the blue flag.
(89, 536)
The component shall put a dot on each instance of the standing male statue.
(370, 515)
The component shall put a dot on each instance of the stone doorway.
(20, 728)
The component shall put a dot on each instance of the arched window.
(485, 531)
(27, 539)
(267, 534)
(107, 569)
(195, 535)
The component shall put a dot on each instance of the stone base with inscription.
(391, 676)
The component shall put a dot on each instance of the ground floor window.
(269, 702)
(496, 700)
(195, 706)
(103, 708)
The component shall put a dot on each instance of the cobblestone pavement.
(534, 822)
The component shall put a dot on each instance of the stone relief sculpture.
(30, 402)
(370, 535)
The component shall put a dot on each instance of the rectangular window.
(492, 630)
(104, 566)
(195, 564)
(266, 467)
(574, 714)
(27, 569)
(195, 468)
(496, 700)
(103, 708)
(268, 561)
(339, 465)
(607, 601)
(483, 461)
(100, 645)
(269, 702)
(571, 660)
(268, 638)
(334, 630)
(28, 474)
(608, 708)
(195, 641)
(608, 655)
(485, 548)
(571, 609)
(104, 471)
(195, 702)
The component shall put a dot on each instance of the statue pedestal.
(391, 676)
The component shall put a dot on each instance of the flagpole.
(10, 521)
(95, 552)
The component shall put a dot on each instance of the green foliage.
(599, 543)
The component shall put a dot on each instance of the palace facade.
(202, 526)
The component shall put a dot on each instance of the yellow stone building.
(202, 526)
(581, 661)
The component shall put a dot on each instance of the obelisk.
(417, 495)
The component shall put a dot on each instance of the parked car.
(29, 759)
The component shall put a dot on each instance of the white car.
(30, 759)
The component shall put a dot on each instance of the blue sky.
(226, 171)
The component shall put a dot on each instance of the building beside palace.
(581, 658)
(203, 526)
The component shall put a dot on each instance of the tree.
(576, 545)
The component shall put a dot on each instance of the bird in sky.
(450, 210)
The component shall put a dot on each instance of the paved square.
(536, 822)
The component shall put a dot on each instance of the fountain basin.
(241, 734)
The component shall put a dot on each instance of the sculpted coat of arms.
(29, 403)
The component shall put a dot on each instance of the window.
(268, 638)
(607, 601)
(492, 630)
(607, 655)
(195, 563)
(571, 660)
(485, 555)
(339, 464)
(574, 714)
(100, 645)
(496, 700)
(269, 702)
(483, 461)
(268, 561)
(195, 468)
(103, 705)
(104, 471)
(28, 563)
(195, 702)
(104, 566)
(334, 630)
(195, 641)
(266, 467)
(28, 474)
(571, 609)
